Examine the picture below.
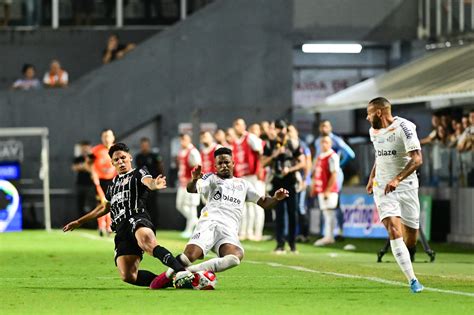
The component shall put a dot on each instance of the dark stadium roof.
(444, 77)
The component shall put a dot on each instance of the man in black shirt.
(126, 201)
(154, 163)
(285, 158)
(85, 188)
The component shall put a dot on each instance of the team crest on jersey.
(239, 187)
(217, 195)
(125, 181)
(380, 140)
(391, 138)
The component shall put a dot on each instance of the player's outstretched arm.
(415, 162)
(98, 211)
(195, 176)
(155, 183)
(268, 202)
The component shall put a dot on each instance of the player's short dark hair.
(144, 139)
(381, 102)
(222, 151)
(85, 142)
(118, 147)
(280, 124)
(27, 66)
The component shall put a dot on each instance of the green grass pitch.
(74, 273)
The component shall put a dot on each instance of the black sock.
(167, 258)
(412, 251)
(144, 278)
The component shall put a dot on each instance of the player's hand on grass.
(281, 194)
(370, 186)
(71, 226)
(196, 172)
(391, 186)
(159, 182)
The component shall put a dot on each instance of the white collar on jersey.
(121, 175)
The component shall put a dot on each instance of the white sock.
(184, 259)
(402, 256)
(216, 264)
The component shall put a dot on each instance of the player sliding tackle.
(218, 226)
(126, 201)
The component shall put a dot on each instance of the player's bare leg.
(128, 269)
(147, 241)
(400, 251)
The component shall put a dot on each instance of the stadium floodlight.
(332, 48)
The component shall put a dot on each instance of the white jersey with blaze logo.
(392, 145)
(225, 198)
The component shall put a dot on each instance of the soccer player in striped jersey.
(135, 233)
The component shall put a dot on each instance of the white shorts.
(183, 198)
(330, 203)
(404, 204)
(210, 235)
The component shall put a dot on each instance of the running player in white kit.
(394, 183)
(218, 226)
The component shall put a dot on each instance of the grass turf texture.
(74, 273)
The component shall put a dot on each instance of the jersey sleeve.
(334, 163)
(194, 157)
(409, 136)
(143, 173)
(252, 194)
(255, 143)
(204, 184)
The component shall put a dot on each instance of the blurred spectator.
(56, 77)
(465, 147)
(458, 130)
(208, 147)
(264, 126)
(435, 122)
(154, 163)
(83, 11)
(305, 173)
(465, 141)
(115, 50)
(220, 138)
(6, 11)
(29, 80)
(230, 136)
(285, 159)
(345, 153)
(247, 148)
(326, 188)
(186, 203)
(103, 173)
(441, 158)
(151, 160)
(85, 188)
(31, 9)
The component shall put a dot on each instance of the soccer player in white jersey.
(218, 226)
(394, 183)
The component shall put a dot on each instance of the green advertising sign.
(425, 215)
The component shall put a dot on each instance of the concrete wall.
(231, 59)
(79, 51)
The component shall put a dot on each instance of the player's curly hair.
(118, 147)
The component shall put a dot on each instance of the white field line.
(329, 273)
(345, 275)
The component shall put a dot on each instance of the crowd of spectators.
(55, 77)
(449, 147)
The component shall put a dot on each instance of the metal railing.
(442, 19)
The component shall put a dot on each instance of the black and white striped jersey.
(127, 195)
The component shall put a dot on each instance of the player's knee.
(394, 231)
